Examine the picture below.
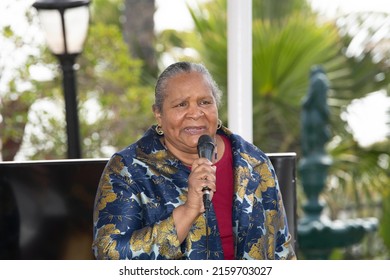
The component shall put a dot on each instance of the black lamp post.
(65, 23)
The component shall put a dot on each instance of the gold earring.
(159, 130)
(219, 124)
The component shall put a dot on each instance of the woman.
(149, 204)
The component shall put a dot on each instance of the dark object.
(315, 114)
(50, 213)
(206, 150)
(66, 43)
(285, 168)
(71, 110)
(47, 206)
(206, 147)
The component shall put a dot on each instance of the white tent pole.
(239, 21)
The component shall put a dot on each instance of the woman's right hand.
(202, 176)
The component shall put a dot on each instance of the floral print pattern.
(142, 184)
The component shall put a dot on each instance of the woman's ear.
(157, 114)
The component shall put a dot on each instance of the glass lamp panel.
(76, 26)
(51, 24)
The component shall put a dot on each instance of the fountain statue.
(317, 234)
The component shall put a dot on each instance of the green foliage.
(361, 173)
(116, 78)
(108, 12)
(19, 92)
(277, 10)
(210, 26)
(282, 58)
(384, 229)
(7, 32)
(114, 109)
(114, 106)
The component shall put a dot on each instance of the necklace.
(216, 149)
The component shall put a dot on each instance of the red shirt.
(223, 199)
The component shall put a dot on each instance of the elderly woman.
(149, 203)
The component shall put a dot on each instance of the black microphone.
(206, 150)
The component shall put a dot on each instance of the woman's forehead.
(188, 80)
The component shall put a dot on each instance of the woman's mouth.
(195, 130)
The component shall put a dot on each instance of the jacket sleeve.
(274, 239)
(120, 231)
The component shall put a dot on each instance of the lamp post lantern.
(65, 23)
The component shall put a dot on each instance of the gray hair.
(179, 68)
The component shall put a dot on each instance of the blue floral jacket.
(142, 184)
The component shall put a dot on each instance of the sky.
(331, 7)
(179, 17)
(173, 14)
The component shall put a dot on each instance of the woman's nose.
(195, 112)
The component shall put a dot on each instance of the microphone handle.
(206, 198)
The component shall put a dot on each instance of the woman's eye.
(182, 104)
(205, 102)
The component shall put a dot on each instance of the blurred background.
(130, 42)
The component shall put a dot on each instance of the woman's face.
(189, 111)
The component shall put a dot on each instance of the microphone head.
(206, 146)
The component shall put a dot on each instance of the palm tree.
(284, 50)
